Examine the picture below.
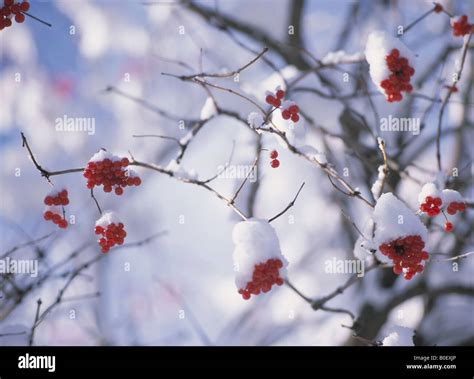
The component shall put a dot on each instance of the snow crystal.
(340, 56)
(393, 220)
(255, 120)
(209, 109)
(399, 336)
(377, 186)
(429, 189)
(379, 45)
(255, 242)
(107, 218)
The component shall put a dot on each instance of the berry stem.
(37, 19)
(95, 200)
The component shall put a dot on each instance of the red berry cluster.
(454, 207)
(431, 206)
(275, 163)
(57, 198)
(54, 215)
(113, 234)
(399, 79)
(11, 9)
(460, 26)
(111, 174)
(289, 110)
(265, 275)
(407, 254)
(275, 98)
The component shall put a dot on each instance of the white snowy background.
(179, 288)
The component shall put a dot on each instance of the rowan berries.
(460, 26)
(399, 79)
(407, 255)
(111, 230)
(111, 172)
(12, 10)
(264, 276)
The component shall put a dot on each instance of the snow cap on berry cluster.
(107, 218)
(255, 242)
(429, 189)
(102, 154)
(379, 45)
(394, 220)
(451, 196)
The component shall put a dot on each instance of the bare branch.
(291, 204)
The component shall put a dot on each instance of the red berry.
(286, 114)
(19, 17)
(275, 163)
(293, 109)
(119, 191)
(280, 94)
(295, 118)
(25, 6)
(274, 154)
(448, 226)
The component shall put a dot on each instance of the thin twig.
(465, 45)
(33, 328)
(291, 204)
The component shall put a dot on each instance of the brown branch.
(446, 99)
(218, 75)
(291, 204)
(246, 178)
(33, 328)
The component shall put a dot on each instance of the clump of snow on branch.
(399, 336)
(209, 109)
(313, 153)
(379, 45)
(255, 120)
(394, 219)
(377, 186)
(256, 243)
(340, 56)
(181, 172)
